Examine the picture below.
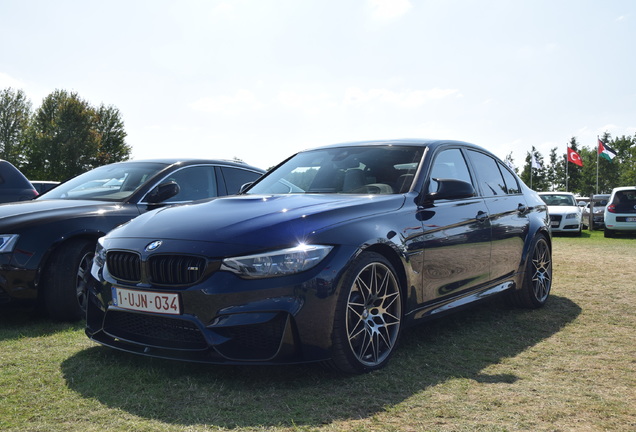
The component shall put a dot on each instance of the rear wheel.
(66, 278)
(537, 280)
(368, 315)
(608, 233)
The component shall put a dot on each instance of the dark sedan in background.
(47, 245)
(325, 258)
(14, 186)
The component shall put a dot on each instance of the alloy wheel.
(374, 310)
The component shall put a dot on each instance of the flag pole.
(567, 168)
(597, 149)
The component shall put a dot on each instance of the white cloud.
(243, 100)
(406, 99)
(309, 102)
(385, 10)
(8, 81)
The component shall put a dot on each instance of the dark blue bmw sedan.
(325, 258)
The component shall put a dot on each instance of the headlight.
(572, 216)
(99, 259)
(7, 242)
(277, 263)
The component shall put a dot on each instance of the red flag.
(574, 157)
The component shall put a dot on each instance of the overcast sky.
(260, 80)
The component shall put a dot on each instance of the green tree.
(111, 136)
(586, 185)
(67, 137)
(555, 172)
(625, 146)
(63, 138)
(15, 113)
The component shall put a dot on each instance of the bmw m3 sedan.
(326, 258)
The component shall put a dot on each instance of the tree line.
(596, 175)
(65, 136)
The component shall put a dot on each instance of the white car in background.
(565, 213)
(620, 212)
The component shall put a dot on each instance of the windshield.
(559, 200)
(115, 182)
(345, 170)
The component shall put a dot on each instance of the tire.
(537, 280)
(607, 233)
(368, 316)
(65, 280)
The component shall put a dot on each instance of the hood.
(562, 210)
(26, 212)
(256, 220)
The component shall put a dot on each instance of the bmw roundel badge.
(154, 245)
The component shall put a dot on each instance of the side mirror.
(162, 192)
(582, 204)
(451, 189)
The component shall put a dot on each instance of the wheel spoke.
(541, 271)
(373, 314)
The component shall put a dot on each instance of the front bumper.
(559, 223)
(226, 319)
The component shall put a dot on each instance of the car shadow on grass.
(460, 345)
(24, 320)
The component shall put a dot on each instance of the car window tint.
(489, 177)
(237, 177)
(195, 182)
(448, 164)
(115, 182)
(512, 185)
(369, 170)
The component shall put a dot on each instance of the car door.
(455, 236)
(507, 211)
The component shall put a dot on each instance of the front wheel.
(537, 280)
(66, 278)
(368, 317)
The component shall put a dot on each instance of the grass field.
(570, 366)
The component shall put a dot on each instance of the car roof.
(623, 188)
(416, 142)
(556, 193)
(194, 161)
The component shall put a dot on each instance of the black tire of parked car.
(65, 280)
(368, 315)
(607, 233)
(537, 281)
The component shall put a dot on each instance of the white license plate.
(555, 224)
(630, 219)
(147, 301)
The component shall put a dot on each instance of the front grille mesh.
(154, 330)
(175, 269)
(124, 266)
(166, 270)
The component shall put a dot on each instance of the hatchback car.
(14, 186)
(620, 212)
(47, 244)
(325, 258)
(565, 213)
